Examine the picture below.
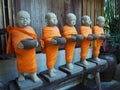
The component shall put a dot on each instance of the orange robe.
(85, 43)
(51, 50)
(26, 59)
(69, 46)
(97, 30)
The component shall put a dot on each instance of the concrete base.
(59, 75)
(76, 70)
(28, 84)
(101, 65)
(90, 68)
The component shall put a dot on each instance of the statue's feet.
(85, 62)
(97, 59)
(70, 66)
(21, 77)
(52, 72)
(34, 77)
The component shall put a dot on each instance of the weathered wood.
(77, 8)
(1, 15)
(11, 15)
(39, 8)
(84, 6)
(92, 11)
(93, 8)
(89, 7)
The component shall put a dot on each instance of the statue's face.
(71, 21)
(101, 22)
(23, 20)
(52, 20)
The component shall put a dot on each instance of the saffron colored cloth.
(67, 31)
(26, 59)
(51, 50)
(85, 43)
(97, 43)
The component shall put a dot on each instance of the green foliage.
(115, 26)
(109, 9)
(115, 32)
(112, 26)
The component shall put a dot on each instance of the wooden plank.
(77, 7)
(92, 12)
(88, 7)
(102, 7)
(84, 6)
(95, 11)
(1, 15)
(98, 7)
(58, 9)
(11, 12)
(3, 12)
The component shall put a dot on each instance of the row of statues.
(22, 42)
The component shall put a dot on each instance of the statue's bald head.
(100, 21)
(100, 18)
(70, 19)
(23, 18)
(50, 15)
(23, 13)
(51, 19)
(86, 20)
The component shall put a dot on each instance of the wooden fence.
(39, 8)
(93, 8)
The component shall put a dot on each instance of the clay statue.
(50, 41)
(70, 33)
(22, 42)
(86, 31)
(98, 30)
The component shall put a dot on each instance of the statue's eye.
(21, 18)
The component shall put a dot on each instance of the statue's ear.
(83, 21)
(46, 20)
(67, 21)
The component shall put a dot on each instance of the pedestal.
(90, 68)
(28, 84)
(59, 75)
(76, 70)
(101, 65)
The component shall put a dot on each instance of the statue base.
(28, 84)
(90, 68)
(59, 75)
(76, 70)
(101, 65)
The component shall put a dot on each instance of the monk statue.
(86, 31)
(98, 30)
(50, 41)
(71, 35)
(22, 42)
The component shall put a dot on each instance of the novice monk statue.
(86, 31)
(22, 42)
(98, 30)
(51, 38)
(70, 33)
